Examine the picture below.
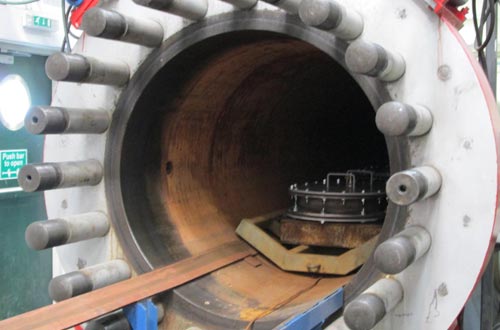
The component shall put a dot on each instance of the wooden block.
(329, 234)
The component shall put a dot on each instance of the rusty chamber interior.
(218, 135)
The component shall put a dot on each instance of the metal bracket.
(142, 315)
(292, 260)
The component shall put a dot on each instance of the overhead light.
(15, 101)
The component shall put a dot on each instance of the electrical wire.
(68, 24)
(14, 3)
(488, 17)
(66, 46)
(71, 32)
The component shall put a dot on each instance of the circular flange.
(270, 22)
(465, 152)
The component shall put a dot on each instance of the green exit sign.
(11, 162)
(43, 22)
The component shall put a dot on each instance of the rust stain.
(249, 314)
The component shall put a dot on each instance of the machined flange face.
(461, 146)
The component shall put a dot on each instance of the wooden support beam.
(329, 234)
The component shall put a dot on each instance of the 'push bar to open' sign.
(11, 162)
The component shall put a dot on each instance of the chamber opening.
(219, 134)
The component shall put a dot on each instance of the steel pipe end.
(364, 312)
(99, 22)
(398, 119)
(395, 255)
(320, 12)
(364, 57)
(243, 4)
(37, 177)
(405, 188)
(395, 119)
(40, 120)
(67, 67)
(46, 234)
(115, 321)
(373, 60)
(410, 186)
(69, 285)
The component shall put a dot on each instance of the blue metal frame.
(142, 315)
(314, 317)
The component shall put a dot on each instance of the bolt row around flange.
(393, 119)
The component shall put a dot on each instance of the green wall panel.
(24, 273)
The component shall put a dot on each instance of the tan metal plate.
(292, 260)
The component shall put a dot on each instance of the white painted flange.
(440, 75)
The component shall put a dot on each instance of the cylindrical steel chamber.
(217, 123)
(218, 133)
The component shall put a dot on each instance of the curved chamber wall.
(220, 134)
